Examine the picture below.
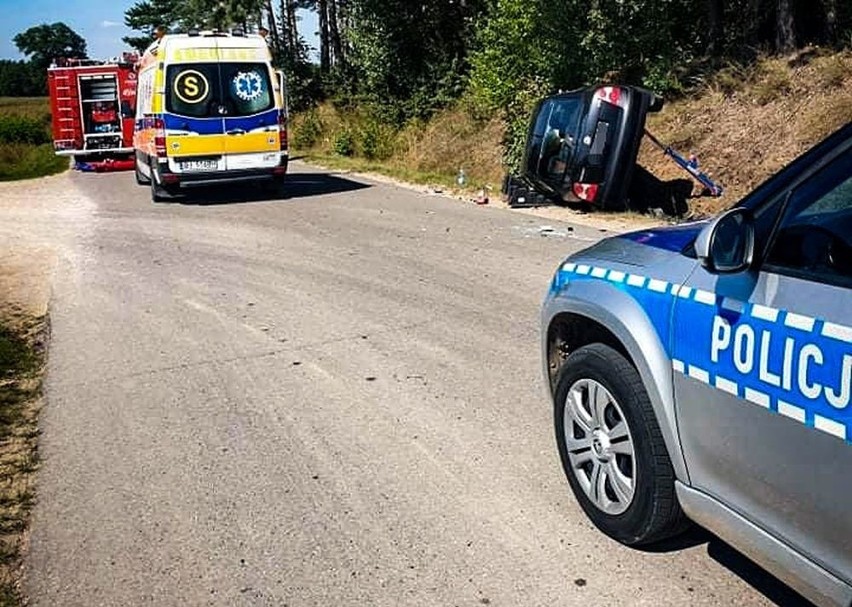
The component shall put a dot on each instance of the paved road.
(330, 399)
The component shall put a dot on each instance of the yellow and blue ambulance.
(210, 109)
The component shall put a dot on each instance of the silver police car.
(703, 372)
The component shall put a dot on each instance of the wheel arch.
(576, 318)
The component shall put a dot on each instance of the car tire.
(140, 176)
(613, 454)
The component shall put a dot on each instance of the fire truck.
(93, 105)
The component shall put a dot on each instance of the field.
(25, 142)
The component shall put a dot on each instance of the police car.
(703, 372)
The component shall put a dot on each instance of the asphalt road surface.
(329, 399)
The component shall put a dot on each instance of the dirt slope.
(750, 122)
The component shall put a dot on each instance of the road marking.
(598, 272)
(582, 269)
(616, 276)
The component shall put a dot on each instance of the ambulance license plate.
(198, 165)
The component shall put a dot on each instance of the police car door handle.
(236, 132)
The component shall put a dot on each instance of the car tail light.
(282, 130)
(611, 94)
(586, 191)
(160, 137)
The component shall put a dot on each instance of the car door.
(763, 366)
(251, 121)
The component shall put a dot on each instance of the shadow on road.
(764, 582)
(296, 185)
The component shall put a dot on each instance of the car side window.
(814, 238)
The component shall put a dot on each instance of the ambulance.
(210, 109)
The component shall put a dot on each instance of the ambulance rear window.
(248, 89)
(193, 90)
(211, 90)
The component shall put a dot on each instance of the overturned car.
(582, 148)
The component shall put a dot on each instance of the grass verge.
(25, 161)
(21, 366)
(23, 156)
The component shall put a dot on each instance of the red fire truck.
(93, 105)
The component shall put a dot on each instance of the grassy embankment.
(744, 122)
(21, 364)
(25, 152)
(25, 140)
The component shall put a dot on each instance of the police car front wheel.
(612, 449)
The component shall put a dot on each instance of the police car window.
(193, 89)
(815, 235)
(248, 88)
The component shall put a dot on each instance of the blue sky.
(100, 22)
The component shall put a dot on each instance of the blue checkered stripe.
(763, 348)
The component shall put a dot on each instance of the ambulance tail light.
(160, 137)
(586, 191)
(282, 131)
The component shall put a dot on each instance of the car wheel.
(612, 449)
(140, 176)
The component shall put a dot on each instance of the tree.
(44, 43)
(147, 16)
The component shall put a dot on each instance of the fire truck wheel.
(140, 176)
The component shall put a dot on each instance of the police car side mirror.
(726, 245)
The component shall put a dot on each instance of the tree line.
(41, 44)
(410, 58)
(404, 60)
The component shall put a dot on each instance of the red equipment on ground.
(93, 105)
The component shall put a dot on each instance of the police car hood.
(669, 238)
(666, 247)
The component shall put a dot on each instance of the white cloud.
(108, 23)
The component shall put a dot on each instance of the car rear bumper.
(188, 180)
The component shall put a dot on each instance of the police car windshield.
(211, 90)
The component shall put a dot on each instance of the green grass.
(21, 365)
(31, 107)
(362, 165)
(24, 160)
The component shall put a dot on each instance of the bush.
(344, 143)
(377, 140)
(25, 161)
(21, 129)
(307, 130)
